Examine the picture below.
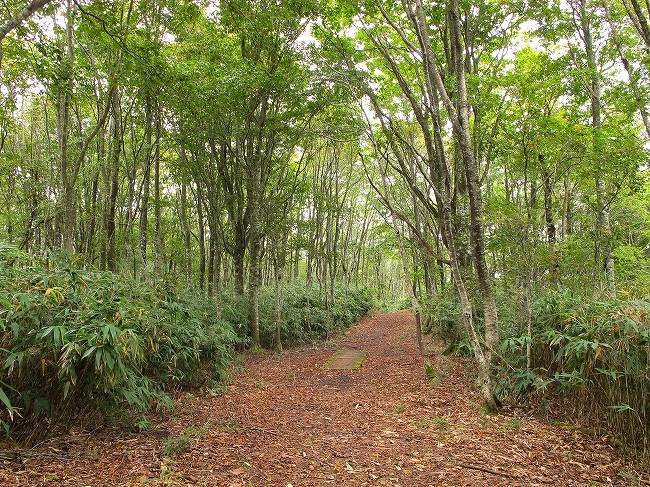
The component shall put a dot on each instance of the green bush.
(307, 316)
(596, 355)
(75, 342)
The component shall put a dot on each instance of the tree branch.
(23, 15)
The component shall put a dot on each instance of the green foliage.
(173, 445)
(395, 305)
(510, 424)
(446, 322)
(76, 341)
(596, 353)
(307, 315)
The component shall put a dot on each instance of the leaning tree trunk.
(477, 231)
(461, 128)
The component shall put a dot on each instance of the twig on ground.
(261, 430)
(487, 470)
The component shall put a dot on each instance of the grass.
(173, 445)
(229, 425)
(442, 424)
(510, 424)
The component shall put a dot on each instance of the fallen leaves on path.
(289, 421)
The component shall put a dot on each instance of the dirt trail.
(289, 421)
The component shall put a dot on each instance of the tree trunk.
(461, 128)
(114, 169)
(201, 238)
(187, 240)
(64, 93)
(144, 208)
(633, 78)
(254, 275)
(549, 220)
(238, 261)
(279, 291)
(604, 246)
(158, 250)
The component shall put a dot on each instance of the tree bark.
(146, 178)
(604, 246)
(157, 201)
(187, 241)
(279, 292)
(201, 237)
(114, 168)
(254, 272)
(548, 183)
(461, 128)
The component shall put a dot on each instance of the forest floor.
(287, 420)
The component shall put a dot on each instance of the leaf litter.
(287, 420)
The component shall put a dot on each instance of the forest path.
(288, 420)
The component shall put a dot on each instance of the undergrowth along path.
(289, 420)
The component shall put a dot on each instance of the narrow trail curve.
(288, 420)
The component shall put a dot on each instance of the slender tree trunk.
(144, 208)
(639, 20)
(114, 169)
(279, 291)
(23, 15)
(238, 260)
(158, 250)
(567, 212)
(212, 252)
(187, 239)
(629, 69)
(604, 248)
(201, 225)
(254, 273)
(549, 220)
(92, 221)
(64, 93)
(409, 287)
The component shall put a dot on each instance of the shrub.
(76, 342)
(596, 355)
(307, 316)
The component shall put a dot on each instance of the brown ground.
(289, 421)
